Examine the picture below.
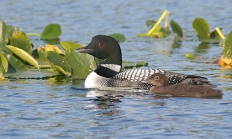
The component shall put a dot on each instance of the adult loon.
(108, 72)
(161, 87)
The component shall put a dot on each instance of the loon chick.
(161, 86)
(108, 72)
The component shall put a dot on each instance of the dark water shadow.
(202, 47)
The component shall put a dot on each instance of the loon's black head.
(104, 48)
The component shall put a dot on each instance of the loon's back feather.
(134, 78)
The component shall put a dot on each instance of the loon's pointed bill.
(84, 50)
(108, 73)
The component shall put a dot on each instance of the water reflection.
(202, 47)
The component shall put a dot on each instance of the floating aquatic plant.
(202, 28)
(157, 31)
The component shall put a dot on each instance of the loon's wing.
(136, 75)
(175, 78)
(133, 78)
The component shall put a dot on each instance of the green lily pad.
(176, 28)
(15, 63)
(4, 63)
(150, 22)
(20, 40)
(60, 60)
(42, 53)
(118, 37)
(68, 45)
(215, 35)
(130, 64)
(6, 31)
(51, 31)
(2, 30)
(3, 66)
(61, 70)
(23, 55)
(202, 28)
(227, 51)
(82, 64)
(10, 31)
(190, 56)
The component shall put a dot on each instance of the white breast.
(94, 80)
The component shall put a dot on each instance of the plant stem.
(220, 33)
(33, 34)
(157, 23)
(45, 66)
(166, 21)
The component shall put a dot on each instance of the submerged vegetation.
(18, 55)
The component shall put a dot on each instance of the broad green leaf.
(150, 22)
(68, 45)
(214, 34)
(130, 65)
(227, 51)
(15, 63)
(20, 40)
(176, 28)
(118, 37)
(9, 31)
(23, 55)
(61, 70)
(82, 64)
(51, 31)
(59, 60)
(190, 56)
(42, 53)
(2, 30)
(2, 70)
(202, 28)
(3, 66)
(4, 63)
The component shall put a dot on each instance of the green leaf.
(42, 53)
(16, 63)
(130, 65)
(2, 30)
(20, 40)
(59, 60)
(176, 28)
(61, 70)
(82, 64)
(3, 66)
(4, 63)
(190, 56)
(6, 31)
(51, 31)
(227, 51)
(23, 55)
(150, 22)
(215, 35)
(202, 28)
(118, 37)
(9, 31)
(68, 45)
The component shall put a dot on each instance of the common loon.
(161, 86)
(108, 72)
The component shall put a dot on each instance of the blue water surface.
(62, 108)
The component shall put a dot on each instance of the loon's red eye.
(100, 44)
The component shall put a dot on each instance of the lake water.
(62, 108)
